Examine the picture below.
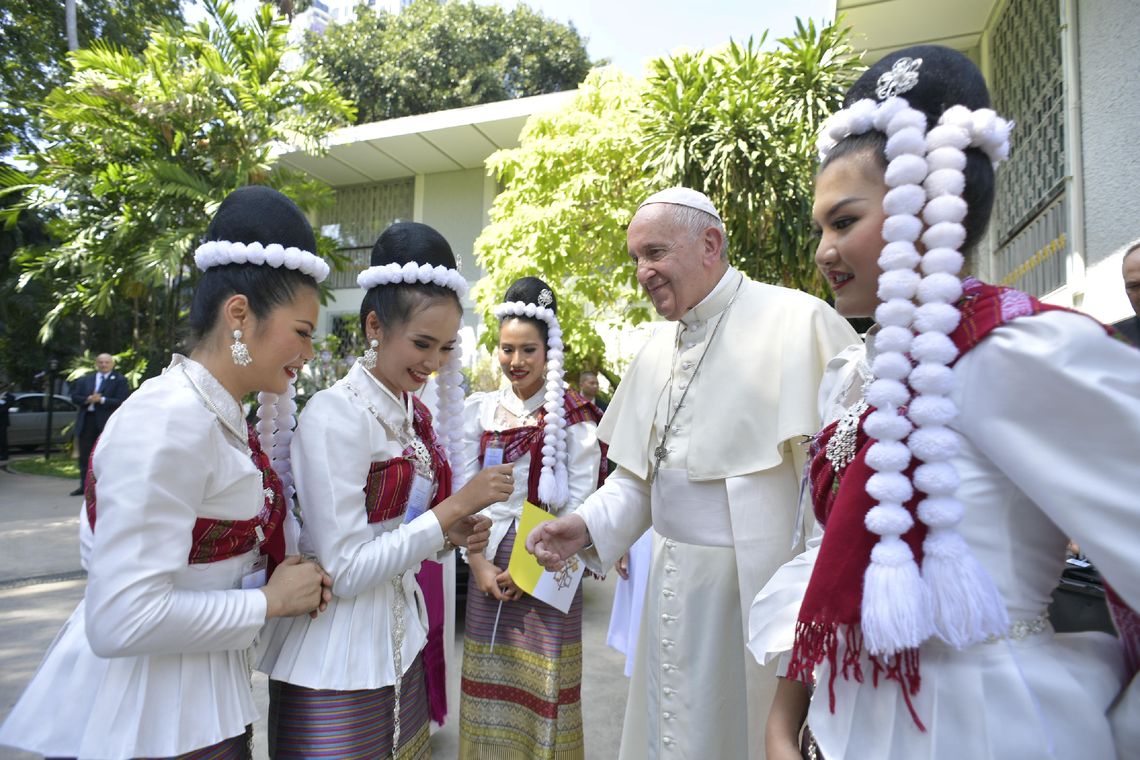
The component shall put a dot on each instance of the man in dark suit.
(98, 394)
(1130, 327)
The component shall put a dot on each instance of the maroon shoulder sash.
(528, 439)
(215, 540)
(389, 482)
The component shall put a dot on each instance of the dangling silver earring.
(369, 358)
(240, 351)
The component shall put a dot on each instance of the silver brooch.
(902, 77)
(545, 297)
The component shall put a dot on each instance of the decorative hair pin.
(902, 77)
(545, 297)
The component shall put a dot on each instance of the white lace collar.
(215, 393)
(522, 407)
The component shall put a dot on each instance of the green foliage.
(141, 150)
(740, 125)
(568, 192)
(33, 35)
(433, 56)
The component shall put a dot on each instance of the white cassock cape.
(727, 513)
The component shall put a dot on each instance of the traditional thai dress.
(1049, 407)
(357, 680)
(153, 662)
(521, 697)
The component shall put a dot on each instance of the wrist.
(270, 606)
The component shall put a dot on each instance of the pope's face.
(676, 267)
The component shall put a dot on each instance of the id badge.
(256, 577)
(418, 498)
(493, 454)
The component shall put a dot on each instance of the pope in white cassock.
(706, 430)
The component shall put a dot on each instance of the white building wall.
(1110, 142)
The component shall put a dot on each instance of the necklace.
(661, 451)
(405, 432)
(226, 424)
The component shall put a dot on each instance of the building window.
(1028, 88)
(358, 216)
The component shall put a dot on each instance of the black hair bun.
(260, 214)
(404, 242)
(938, 78)
(530, 290)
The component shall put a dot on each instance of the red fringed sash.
(216, 540)
(528, 440)
(835, 592)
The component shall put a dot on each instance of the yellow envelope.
(524, 568)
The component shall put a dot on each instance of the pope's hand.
(555, 541)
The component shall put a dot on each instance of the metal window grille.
(1030, 217)
(359, 215)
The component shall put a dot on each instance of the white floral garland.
(214, 253)
(449, 425)
(553, 488)
(952, 596)
(276, 420)
(413, 274)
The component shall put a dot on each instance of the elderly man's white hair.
(692, 210)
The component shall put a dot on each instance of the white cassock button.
(667, 643)
(668, 741)
(670, 569)
(686, 365)
(667, 594)
(667, 715)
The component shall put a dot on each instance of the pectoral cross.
(659, 454)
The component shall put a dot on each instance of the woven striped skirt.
(522, 700)
(234, 748)
(317, 723)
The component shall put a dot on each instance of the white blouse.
(1050, 416)
(153, 662)
(503, 410)
(350, 645)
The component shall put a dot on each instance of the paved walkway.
(41, 582)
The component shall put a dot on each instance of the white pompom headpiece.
(449, 425)
(553, 486)
(215, 253)
(412, 273)
(952, 596)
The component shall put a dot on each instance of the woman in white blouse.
(184, 519)
(376, 500)
(982, 430)
(522, 658)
